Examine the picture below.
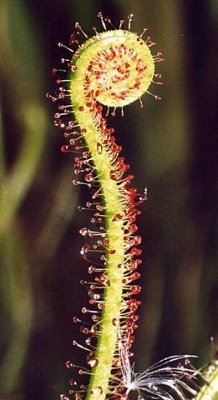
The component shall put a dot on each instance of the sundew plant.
(97, 79)
(171, 147)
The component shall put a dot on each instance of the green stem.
(210, 390)
(98, 386)
(114, 68)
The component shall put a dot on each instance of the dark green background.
(172, 147)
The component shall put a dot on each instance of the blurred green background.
(172, 147)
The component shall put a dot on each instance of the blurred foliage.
(172, 147)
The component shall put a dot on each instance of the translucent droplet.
(99, 148)
(115, 322)
(78, 396)
(135, 289)
(113, 175)
(63, 397)
(97, 390)
(133, 304)
(133, 228)
(135, 275)
(91, 269)
(92, 361)
(69, 364)
(134, 317)
(65, 149)
(76, 320)
(135, 251)
(82, 251)
(117, 217)
(95, 318)
(83, 232)
(103, 279)
(137, 240)
(88, 177)
(82, 372)
(84, 330)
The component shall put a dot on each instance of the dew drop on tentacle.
(64, 397)
(69, 364)
(135, 289)
(100, 15)
(92, 360)
(78, 396)
(83, 231)
(73, 382)
(96, 391)
(135, 251)
(99, 148)
(65, 148)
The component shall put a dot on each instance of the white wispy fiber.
(170, 378)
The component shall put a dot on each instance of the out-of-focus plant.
(21, 79)
(24, 236)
